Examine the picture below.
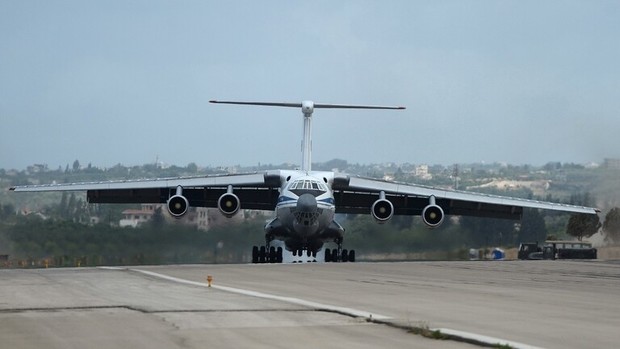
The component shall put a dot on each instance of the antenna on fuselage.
(307, 108)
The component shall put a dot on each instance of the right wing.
(355, 194)
(257, 191)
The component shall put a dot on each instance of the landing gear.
(339, 254)
(266, 254)
(255, 254)
(300, 252)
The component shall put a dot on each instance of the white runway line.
(291, 300)
(484, 339)
(343, 310)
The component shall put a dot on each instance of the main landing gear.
(265, 254)
(345, 255)
(271, 254)
(339, 254)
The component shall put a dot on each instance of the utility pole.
(455, 174)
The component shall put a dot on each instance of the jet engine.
(432, 215)
(228, 203)
(178, 204)
(382, 209)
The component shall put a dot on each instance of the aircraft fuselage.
(305, 212)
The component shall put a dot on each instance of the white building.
(133, 217)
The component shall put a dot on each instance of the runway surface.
(548, 304)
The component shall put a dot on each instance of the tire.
(272, 254)
(279, 255)
(352, 256)
(255, 254)
(262, 255)
(345, 256)
(328, 255)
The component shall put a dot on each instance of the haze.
(110, 82)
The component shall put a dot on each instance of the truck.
(553, 249)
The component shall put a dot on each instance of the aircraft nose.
(306, 203)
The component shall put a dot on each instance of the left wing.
(255, 191)
(354, 194)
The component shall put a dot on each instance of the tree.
(8, 210)
(533, 227)
(71, 207)
(158, 221)
(76, 166)
(611, 226)
(489, 231)
(192, 167)
(583, 225)
(62, 207)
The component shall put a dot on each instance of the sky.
(109, 82)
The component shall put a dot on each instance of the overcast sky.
(107, 82)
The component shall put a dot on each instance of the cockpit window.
(302, 186)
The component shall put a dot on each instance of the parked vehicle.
(553, 249)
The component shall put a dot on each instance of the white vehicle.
(305, 201)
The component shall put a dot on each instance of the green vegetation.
(63, 228)
(64, 241)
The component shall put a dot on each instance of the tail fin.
(307, 108)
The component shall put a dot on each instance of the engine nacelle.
(382, 210)
(228, 204)
(432, 215)
(178, 205)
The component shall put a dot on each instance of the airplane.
(305, 201)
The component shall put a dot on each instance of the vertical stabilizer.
(307, 108)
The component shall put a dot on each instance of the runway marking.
(484, 339)
(463, 336)
(291, 300)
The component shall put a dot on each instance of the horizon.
(165, 165)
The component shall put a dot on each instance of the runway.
(546, 304)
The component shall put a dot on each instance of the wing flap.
(127, 196)
(251, 198)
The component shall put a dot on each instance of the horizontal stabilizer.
(316, 105)
(268, 104)
(346, 106)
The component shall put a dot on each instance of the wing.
(257, 191)
(357, 194)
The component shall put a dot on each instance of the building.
(201, 217)
(612, 164)
(135, 217)
(421, 172)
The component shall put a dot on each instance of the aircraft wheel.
(262, 255)
(272, 254)
(335, 255)
(328, 255)
(279, 255)
(308, 253)
(255, 254)
(345, 256)
(352, 256)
